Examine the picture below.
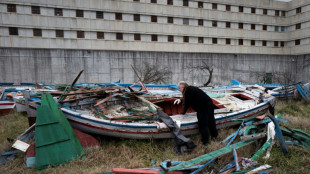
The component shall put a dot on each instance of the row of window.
(170, 38)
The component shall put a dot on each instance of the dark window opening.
(277, 13)
(153, 1)
(58, 12)
(11, 8)
(170, 2)
(153, 18)
(185, 39)
(242, 97)
(35, 10)
(137, 36)
(282, 44)
(240, 25)
(253, 10)
(185, 21)
(185, 2)
(118, 16)
(214, 40)
(119, 36)
(276, 43)
(37, 32)
(227, 7)
(136, 17)
(200, 21)
(297, 42)
(170, 38)
(227, 41)
(252, 26)
(200, 39)
(59, 33)
(264, 43)
(240, 9)
(100, 35)
(170, 20)
(253, 42)
(99, 14)
(227, 24)
(79, 13)
(13, 31)
(214, 6)
(265, 27)
(240, 41)
(283, 13)
(298, 26)
(298, 10)
(200, 4)
(154, 38)
(214, 23)
(136, 0)
(80, 34)
(265, 11)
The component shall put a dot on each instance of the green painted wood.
(56, 142)
(209, 156)
(261, 150)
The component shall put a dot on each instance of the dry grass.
(123, 153)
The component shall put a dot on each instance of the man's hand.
(177, 101)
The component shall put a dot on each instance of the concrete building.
(51, 41)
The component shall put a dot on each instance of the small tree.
(205, 68)
(153, 74)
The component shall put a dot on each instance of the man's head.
(182, 85)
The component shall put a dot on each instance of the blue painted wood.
(279, 134)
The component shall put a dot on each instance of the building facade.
(51, 41)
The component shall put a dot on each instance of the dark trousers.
(206, 123)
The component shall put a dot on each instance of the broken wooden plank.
(139, 171)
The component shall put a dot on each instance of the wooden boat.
(6, 107)
(240, 104)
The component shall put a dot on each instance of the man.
(199, 101)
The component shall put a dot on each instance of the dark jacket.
(196, 98)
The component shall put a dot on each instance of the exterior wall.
(62, 66)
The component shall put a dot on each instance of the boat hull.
(6, 107)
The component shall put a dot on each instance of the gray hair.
(182, 83)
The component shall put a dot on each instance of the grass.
(124, 153)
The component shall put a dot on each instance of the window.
(170, 38)
(80, 34)
(170, 20)
(227, 7)
(265, 27)
(214, 23)
(297, 42)
(253, 10)
(276, 43)
(298, 10)
(227, 41)
(252, 26)
(200, 22)
(37, 32)
(282, 29)
(185, 38)
(136, 17)
(137, 36)
(118, 16)
(100, 35)
(253, 42)
(79, 13)
(240, 25)
(277, 13)
(240, 41)
(265, 11)
(200, 39)
(214, 6)
(214, 40)
(283, 13)
(13, 31)
(276, 28)
(119, 36)
(154, 38)
(298, 26)
(11, 8)
(99, 14)
(153, 1)
(59, 33)
(136, 0)
(58, 12)
(170, 2)
(153, 18)
(227, 24)
(185, 2)
(264, 43)
(240, 9)
(35, 9)
(282, 44)
(185, 21)
(200, 4)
